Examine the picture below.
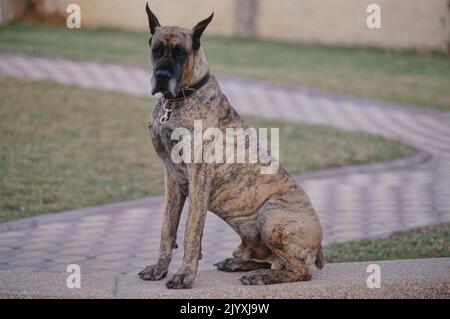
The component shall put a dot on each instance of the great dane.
(280, 231)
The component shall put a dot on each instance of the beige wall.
(130, 14)
(406, 24)
(419, 24)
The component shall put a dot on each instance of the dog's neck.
(198, 67)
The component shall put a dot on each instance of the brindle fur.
(280, 231)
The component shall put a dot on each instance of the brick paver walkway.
(352, 203)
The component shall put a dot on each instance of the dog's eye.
(158, 51)
(179, 52)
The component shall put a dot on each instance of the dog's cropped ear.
(153, 22)
(197, 31)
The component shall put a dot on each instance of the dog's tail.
(320, 259)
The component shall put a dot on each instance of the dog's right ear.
(153, 22)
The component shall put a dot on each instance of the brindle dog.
(280, 231)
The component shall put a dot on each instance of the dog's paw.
(257, 277)
(153, 272)
(237, 264)
(179, 281)
(226, 265)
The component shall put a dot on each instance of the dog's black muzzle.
(161, 78)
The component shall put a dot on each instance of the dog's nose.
(162, 74)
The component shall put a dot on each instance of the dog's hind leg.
(238, 264)
(293, 233)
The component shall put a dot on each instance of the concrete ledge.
(421, 278)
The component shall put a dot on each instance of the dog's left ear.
(197, 31)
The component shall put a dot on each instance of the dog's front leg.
(199, 190)
(174, 202)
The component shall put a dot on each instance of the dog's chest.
(161, 133)
(161, 136)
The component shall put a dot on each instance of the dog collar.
(187, 91)
(184, 93)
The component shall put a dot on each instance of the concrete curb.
(420, 278)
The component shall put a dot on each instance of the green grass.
(65, 147)
(407, 77)
(427, 242)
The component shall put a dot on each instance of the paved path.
(352, 203)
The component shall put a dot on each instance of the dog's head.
(175, 54)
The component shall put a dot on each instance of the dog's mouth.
(168, 85)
